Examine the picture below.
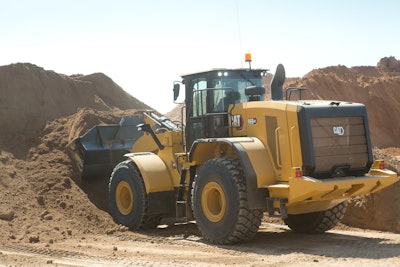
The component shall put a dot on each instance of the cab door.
(196, 109)
(207, 112)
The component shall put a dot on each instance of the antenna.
(240, 37)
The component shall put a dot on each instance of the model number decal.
(252, 121)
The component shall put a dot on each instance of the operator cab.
(209, 94)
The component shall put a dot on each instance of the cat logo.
(236, 121)
(338, 130)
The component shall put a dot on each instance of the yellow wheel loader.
(237, 157)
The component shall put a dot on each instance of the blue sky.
(145, 45)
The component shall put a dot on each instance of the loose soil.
(181, 245)
(49, 216)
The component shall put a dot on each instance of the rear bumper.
(322, 194)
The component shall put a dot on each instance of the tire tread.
(249, 220)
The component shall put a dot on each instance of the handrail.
(277, 148)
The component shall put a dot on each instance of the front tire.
(317, 222)
(219, 202)
(128, 198)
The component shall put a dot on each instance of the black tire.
(128, 198)
(219, 202)
(317, 222)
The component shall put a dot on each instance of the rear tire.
(128, 198)
(219, 202)
(317, 222)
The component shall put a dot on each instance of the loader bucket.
(96, 153)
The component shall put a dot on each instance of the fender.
(157, 180)
(155, 173)
(254, 159)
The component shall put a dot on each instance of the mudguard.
(254, 159)
(157, 180)
(154, 172)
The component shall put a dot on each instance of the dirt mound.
(41, 196)
(43, 201)
(389, 64)
(381, 210)
(31, 96)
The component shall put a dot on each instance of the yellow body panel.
(294, 135)
(253, 148)
(144, 143)
(260, 161)
(209, 150)
(275, 167)
(159, 171)
(306, 194)
(283, 144)
(155, 173)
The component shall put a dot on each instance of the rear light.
(379, 164)
(298, 172)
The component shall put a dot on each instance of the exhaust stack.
(277, 83)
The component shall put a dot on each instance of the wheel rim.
(124, 198)
(213, 202)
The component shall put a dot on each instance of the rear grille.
(334, 139)
(339, 145)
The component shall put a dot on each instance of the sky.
(144, 46)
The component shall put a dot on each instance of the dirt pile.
(41, 197)
(381, 210)
(30, 96)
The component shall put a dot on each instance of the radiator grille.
(339, 144)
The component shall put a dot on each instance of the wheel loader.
(235, 157)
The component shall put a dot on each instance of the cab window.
(199, 97)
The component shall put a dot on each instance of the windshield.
(238, 84)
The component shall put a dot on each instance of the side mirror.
(176, 91)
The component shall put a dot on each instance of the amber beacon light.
(248, 57)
